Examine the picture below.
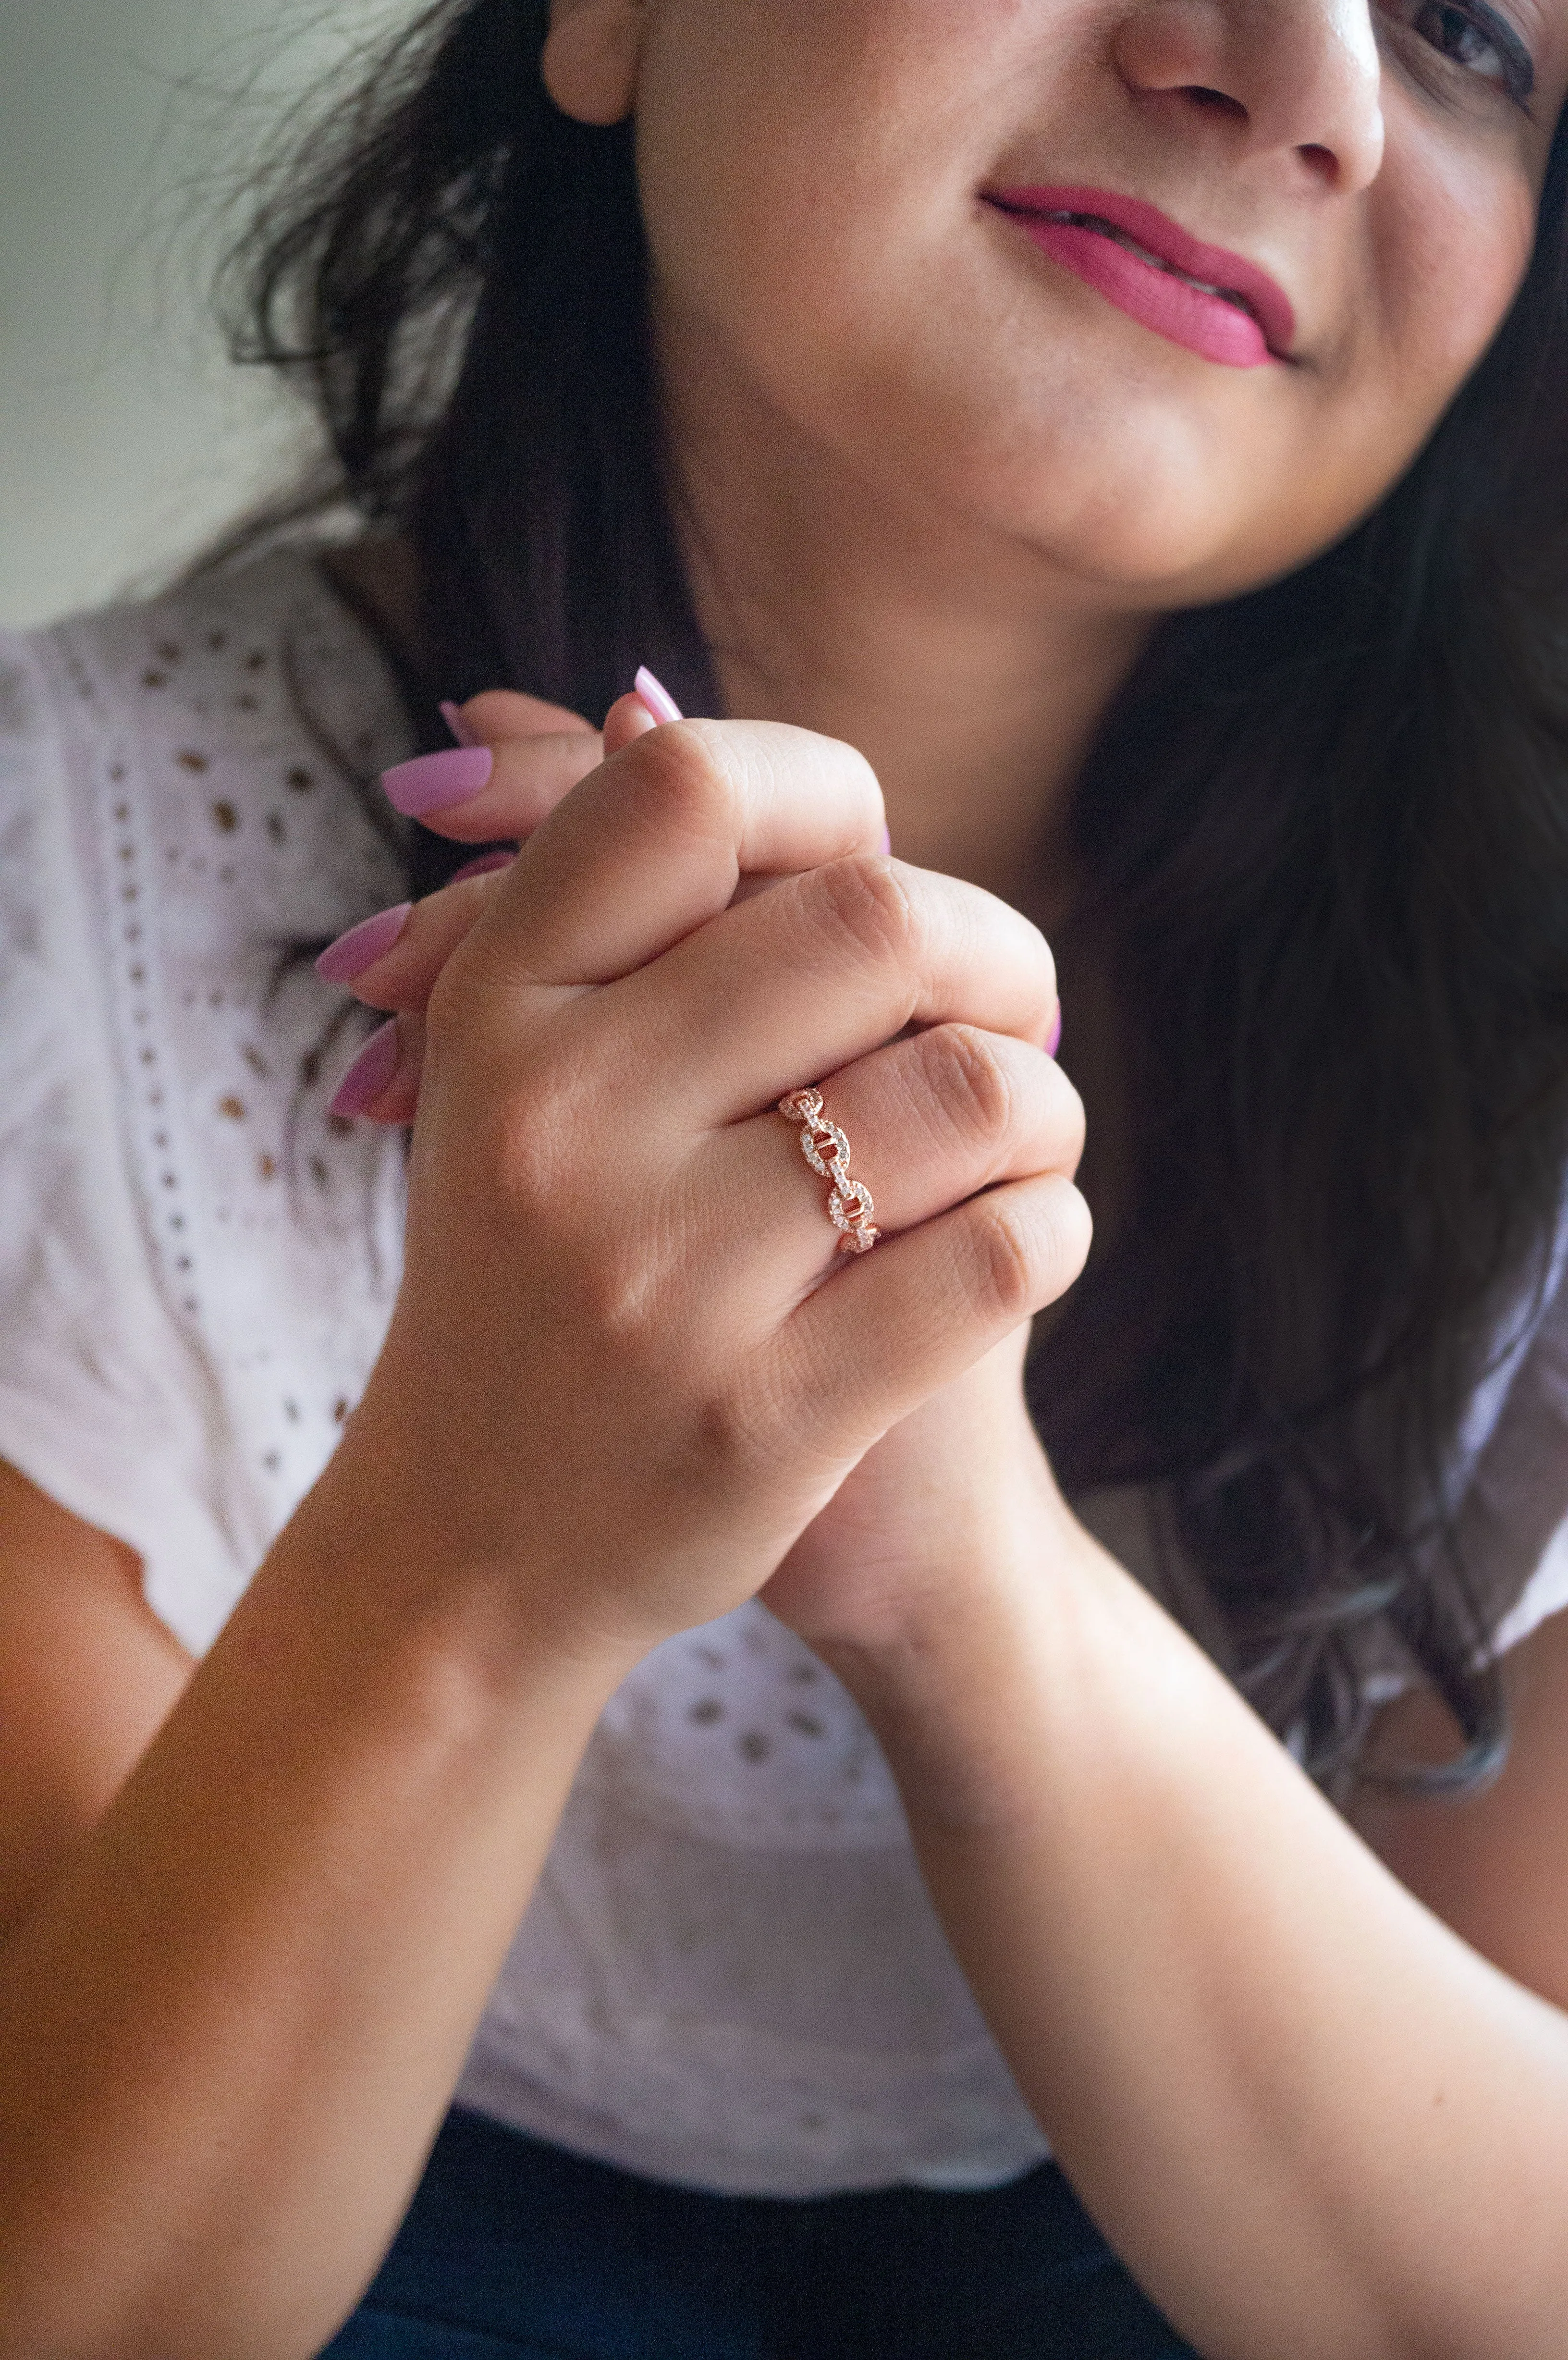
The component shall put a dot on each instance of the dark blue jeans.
(512, 2250)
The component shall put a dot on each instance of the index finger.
(496, 715)
(654, 842)
(529, 761)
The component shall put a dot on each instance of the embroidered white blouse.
(731, 1976)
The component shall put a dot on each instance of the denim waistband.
(516, 2250)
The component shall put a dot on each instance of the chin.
(1137, 556)
(1151, 520)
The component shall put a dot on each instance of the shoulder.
(246, 715)
(228, 734)
(194, 1250)
(196, 779)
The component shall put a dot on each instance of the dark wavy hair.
(1323, 833)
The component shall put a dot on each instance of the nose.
(1296, 79)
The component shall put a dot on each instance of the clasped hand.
(615, 1361)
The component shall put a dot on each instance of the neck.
(970, 672)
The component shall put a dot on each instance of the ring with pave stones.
(826, 1149)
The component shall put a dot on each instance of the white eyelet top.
(731, 1976)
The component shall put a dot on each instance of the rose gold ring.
(826, 1149)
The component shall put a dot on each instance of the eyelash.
(1517, 75)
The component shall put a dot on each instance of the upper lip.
(1167, 244)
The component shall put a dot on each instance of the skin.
(934, 491)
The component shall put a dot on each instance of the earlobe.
(589, 58)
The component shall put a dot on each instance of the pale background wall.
(125, 438)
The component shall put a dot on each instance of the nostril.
(1214, 102)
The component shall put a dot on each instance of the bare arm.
(230, 2019)
(235, 1996)
(1314, 2121)
(88, 1675)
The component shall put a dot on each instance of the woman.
(697, 1714)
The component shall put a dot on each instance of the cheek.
(1446, 251)
(1448, 254)
(798, 157)
(1466, 265)
(1241, 495)
(808, 169)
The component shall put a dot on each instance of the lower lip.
(1206, 324)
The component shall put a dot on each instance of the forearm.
(1312, 2121)
(231, 2028)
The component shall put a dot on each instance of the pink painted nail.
(656, 697)
(370, 1072)
(482, 867)
(1053, 1038)
(452, 715)
(433, 783)
(362, 944)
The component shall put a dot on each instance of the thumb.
(628, 717)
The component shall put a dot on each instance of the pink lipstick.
(1214, 302)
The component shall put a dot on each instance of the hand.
(539, 751)
(605, 1211)
(956, 1492)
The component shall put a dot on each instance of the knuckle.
(842, 770)
(677, 781)
(1007, 1271)
(1069, 1233)
(1046, 959)
(447, 1010)
(862, 902)
(967, 1084)
(1028, 1248)
(1067, 1118)
(625, 1300)
(781, 765)
(723, 1446)
(531, 1154)
(532, 1110)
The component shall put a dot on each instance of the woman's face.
(887, 226)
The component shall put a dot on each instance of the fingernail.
(482, 867)
(656, 697)
(370, 1072)
(432, 782)
(1053, 1038)
(362, 944)
(452, 715)
(886, 839)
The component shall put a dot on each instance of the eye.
(1477, 39)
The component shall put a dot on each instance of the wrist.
(971, 1547)
(419, 1584)
(958, 1676)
